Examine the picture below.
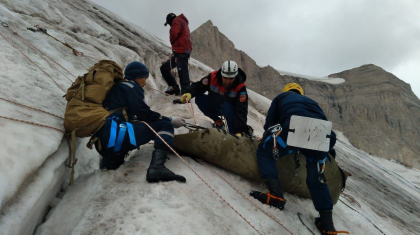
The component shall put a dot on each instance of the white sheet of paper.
(309, 133)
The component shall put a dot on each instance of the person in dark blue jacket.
(293, 102)
(124, 132)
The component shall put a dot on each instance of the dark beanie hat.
(135, 70)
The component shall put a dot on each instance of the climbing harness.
(115, 141)
(320, 164)
(274, 132)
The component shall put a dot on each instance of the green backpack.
(85, 115)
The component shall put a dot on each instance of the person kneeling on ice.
(227, 96)
(124, 131)
(293, 102)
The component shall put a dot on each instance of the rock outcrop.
(378, 112)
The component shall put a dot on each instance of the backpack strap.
(73, 155)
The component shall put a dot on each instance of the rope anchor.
(4, 24)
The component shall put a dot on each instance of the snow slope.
(334, 81)
(34, 178)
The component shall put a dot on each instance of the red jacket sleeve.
(175, 30)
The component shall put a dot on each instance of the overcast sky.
(315, 38)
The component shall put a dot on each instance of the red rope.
(11, 43)
(39, 110)
(192, 112)
(243, 195)
(32, 123)
(43, 53)
(201, 177)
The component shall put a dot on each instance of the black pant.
(143, 135)
(182, 66)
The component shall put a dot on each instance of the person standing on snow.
(179, 36)
(227, 96)
(124, 132)
(293, 102)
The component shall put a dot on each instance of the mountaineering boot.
(274, 197)
(173, 90)
(113, 163)
(325, 225)
(324, 222)
(157, 170)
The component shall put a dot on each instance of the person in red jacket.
(180, 39)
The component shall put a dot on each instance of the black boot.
(324, 222)
(157, 170)
(173, 90)
(273, 198)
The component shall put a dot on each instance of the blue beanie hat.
(135, 70)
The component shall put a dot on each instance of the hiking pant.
(182, 66)
(320, 193)
(212, 110)
(143, 135)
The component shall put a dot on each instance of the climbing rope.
(362, 215)
(39, 110)
(192, 112)
(11, 43)
(350, 198)
(243, 195)
(75, 52)
(42, 54)
(32, 123)
(249, 223)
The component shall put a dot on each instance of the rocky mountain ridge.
(377, 111)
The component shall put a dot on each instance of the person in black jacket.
(124, 132)
(227, 96)
(293, 102)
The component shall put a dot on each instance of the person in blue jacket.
(293, 102)
(124, 132)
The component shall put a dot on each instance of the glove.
(178, 121)
(239, 134)
(185, 98)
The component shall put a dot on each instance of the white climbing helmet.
(229, 69)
